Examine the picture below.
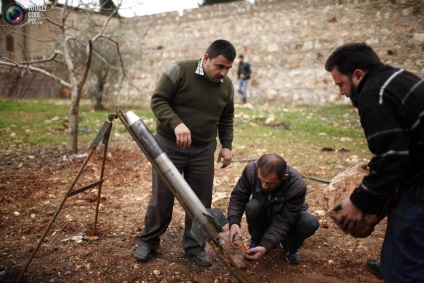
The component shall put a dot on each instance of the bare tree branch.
(49, 59)
(34, 38)
(35, 69)
(87, 65)
(106, 23)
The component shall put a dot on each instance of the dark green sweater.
(205, 107)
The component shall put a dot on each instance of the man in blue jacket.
(273, 196)
(390, 104)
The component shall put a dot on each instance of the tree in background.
(104, 73)
(211, 2)
(71, 28)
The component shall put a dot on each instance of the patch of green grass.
(44, 122)
(276, 127)
(299, 133)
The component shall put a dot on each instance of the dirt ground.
(33, 185)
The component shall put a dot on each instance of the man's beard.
(353, 94)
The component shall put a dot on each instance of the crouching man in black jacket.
(273, 196)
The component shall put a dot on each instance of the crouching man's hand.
(255, 253)
(234, 230)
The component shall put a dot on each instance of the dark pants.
(197, 166)
(306, 225)
(402, 255)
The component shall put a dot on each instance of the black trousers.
(402, 254)
(257, 222)
(197, 166)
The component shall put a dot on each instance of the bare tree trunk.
(72, 147)
(76, 92)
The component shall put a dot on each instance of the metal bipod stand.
(102, 135)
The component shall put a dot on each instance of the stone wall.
(286, 42)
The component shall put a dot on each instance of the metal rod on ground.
(303, 176)
(316, 179)
(239, 160)
(244, 160)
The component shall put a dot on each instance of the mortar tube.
(172, 177)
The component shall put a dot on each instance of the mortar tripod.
(103, 136)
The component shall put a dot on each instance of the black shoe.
(143, 253)
(293, 258)
(374, 267)
(203, 259)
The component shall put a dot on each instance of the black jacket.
(390, 103)
(282, 206)
(244, 68)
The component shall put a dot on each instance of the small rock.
(324, 224)
(240, 263)
(320, 213)
(90, 238)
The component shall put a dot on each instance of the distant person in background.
(273, 196)
(243, 77)
(193, 104)
(390, 104)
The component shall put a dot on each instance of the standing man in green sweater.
(193, 103)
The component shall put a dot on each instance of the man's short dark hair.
(272, 163)
(221, 47)
(351, 56)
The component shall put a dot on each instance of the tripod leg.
(106, 143)
(106, 126)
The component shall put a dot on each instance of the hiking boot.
(142, 253)
(202, 259)
(374, 267)
(293, 258)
